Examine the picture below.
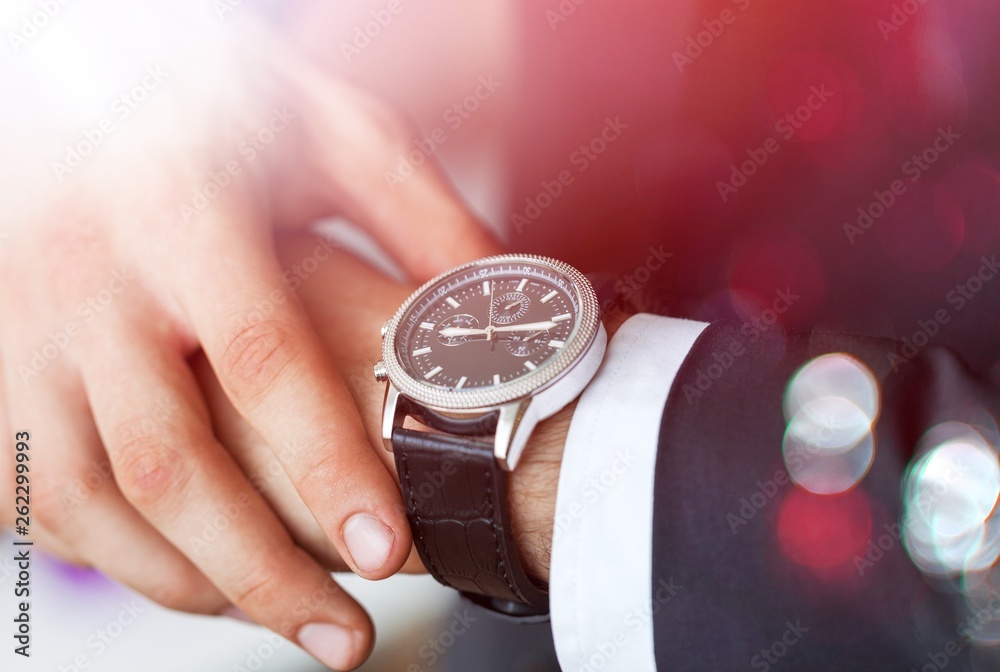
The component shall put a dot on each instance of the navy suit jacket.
(765, 575)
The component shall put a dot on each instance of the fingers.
(184, 483)
(276, 371)
(263, 470)
(355, 146)
(77, 509)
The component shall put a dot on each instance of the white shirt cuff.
(601, 571)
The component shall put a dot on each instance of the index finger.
(277, 373)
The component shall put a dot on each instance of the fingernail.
(331, 645)
(369, 541)
(238, 614)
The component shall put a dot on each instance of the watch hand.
(449, 332)
(528, 326)
(511, 305)
(489, 313)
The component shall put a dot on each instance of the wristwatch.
(477, 357)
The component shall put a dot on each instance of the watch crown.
(385, 328)
(381, 375)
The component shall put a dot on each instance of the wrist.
(533, 487)
(534, 484)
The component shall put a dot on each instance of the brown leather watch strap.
(456, 501)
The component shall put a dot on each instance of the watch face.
(488, 325)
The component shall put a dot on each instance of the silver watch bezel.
(477, 398)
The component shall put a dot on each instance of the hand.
(449, 332)
(348, 320)
(131, 264)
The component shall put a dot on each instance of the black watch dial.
(487, 325)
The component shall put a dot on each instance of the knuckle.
(148, 471)
(255, 357)
(324, 473)
(47, 509)
(259, 585)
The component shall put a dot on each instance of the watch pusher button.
(381, 375)
(385, 328)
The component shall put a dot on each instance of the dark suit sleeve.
(772, 576)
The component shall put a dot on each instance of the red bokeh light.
(824, 531)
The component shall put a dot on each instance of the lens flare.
(831, 405)
(950, 494)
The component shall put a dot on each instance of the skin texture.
(129, 289)
(348, 322)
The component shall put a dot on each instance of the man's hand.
(348, 301)
(160, 246)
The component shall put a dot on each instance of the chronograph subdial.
(526, 345)
(509, 307)
(463, 321)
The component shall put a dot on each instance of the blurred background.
(821, 165)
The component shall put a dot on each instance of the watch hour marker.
(452, 302)
(433, 372)
(560, 318)
(496, 378)
(421, 351)
(529, 366)
(461, 382)
(548, 297)
(486, 287)
(520, 285)
(556, 344)
(427, 325)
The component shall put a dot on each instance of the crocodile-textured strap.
(456, 501)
